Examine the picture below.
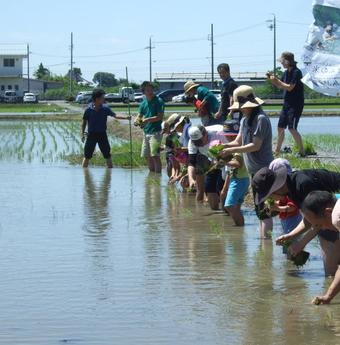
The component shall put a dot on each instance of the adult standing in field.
(150, 117)
(228, 87)
(297, 185)
(293, 103)
(254, 141)
(209, 104)
(95, 119)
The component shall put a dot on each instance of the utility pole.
(150, 47)
(129, 112)
(28, 68)
(71, 68)
(212, 54)
(272, 27)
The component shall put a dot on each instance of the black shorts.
(290, 116)
(214, 182)
(97, 138)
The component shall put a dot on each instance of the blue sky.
(112, 27)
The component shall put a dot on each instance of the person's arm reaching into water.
(299, 230)
(191, 171)
(332, 291)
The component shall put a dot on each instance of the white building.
(12, 77)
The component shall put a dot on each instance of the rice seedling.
(215, 227)
(55, 145)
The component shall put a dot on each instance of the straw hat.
(244, 97)
(189, 85)
(169, 122)
(180, 121)
(173, 119)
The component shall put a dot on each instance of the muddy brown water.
(117, 257)
(114, 257)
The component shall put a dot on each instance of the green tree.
(76, 74)
(42, 72)
(105, 79)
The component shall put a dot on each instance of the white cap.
(195, 133)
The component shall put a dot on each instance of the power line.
(240, 30)
(293, 23)
(89, 56)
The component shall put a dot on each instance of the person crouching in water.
(236, 186)
(289, 212)
(201, 139)
(95, 118)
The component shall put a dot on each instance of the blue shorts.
(238, 188)
(290, 223)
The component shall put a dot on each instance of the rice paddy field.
(116, 256)
(56, 141)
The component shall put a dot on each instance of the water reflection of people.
(96, 202)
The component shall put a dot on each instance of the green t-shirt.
(150, 109)
(204, 94)
(239, 172)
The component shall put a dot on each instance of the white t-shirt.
(215, 132)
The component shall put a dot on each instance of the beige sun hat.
(170, 122)
(172, 119)
(189, 85)
(244, 97)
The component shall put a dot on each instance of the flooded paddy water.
(116, 257)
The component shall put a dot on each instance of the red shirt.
(288, 202)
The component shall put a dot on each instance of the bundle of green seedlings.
(300, 259)
(219, 162)
(139, 122)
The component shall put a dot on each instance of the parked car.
(2, 99)
(179, 98)
(139, 97)
(84, 97)
(12, 97)
(30, 98)
(125, 94)
(217, 93)
(167, 95)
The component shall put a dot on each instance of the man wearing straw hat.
(209, 105)
(293, 104)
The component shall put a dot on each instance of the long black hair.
(255, 112)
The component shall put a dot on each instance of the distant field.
(30, 108)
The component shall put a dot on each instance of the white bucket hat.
(195, 133)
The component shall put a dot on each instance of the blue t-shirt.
(96, 119)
